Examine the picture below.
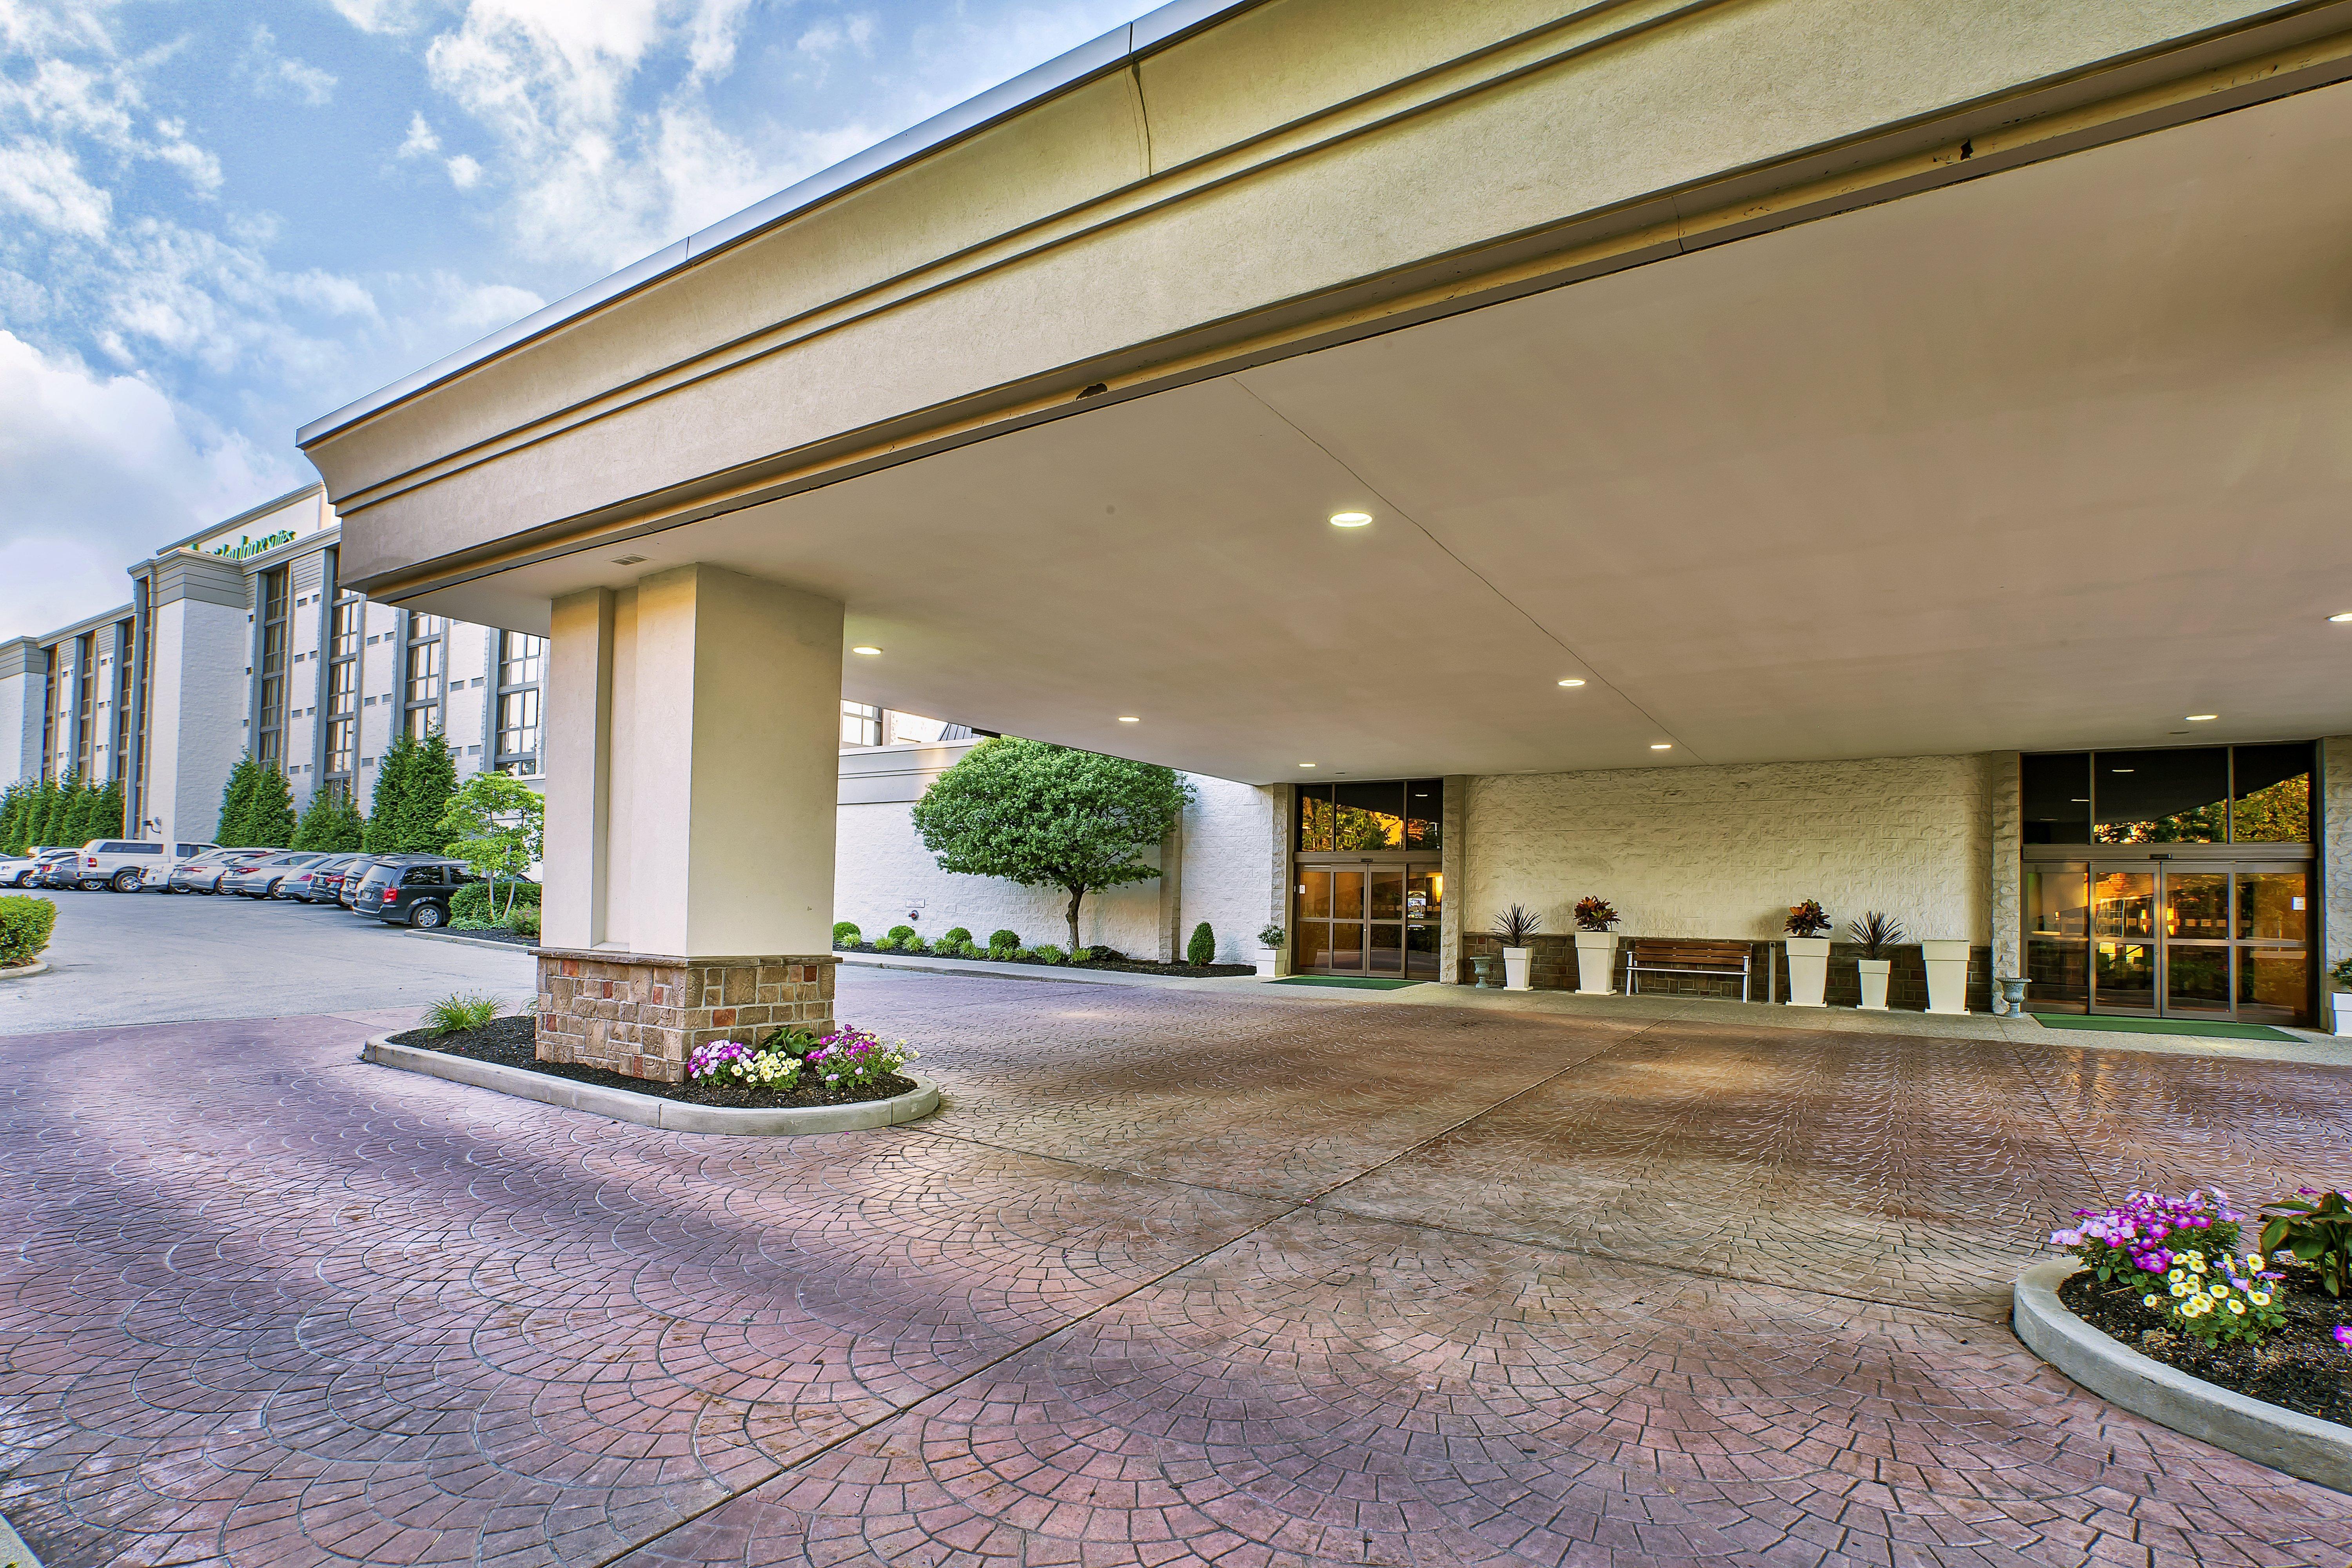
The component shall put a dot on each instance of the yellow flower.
(2147, 1301)
(2197, 1263)
(2179, 1289)
(2219, 1290)
(2259, 1298)
(2239, 1308)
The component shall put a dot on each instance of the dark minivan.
(412, 889)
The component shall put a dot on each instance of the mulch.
(508, 1042)
(1111, 959)
(2301, 1367)
(495, 934)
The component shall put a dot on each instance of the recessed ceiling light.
(1306, 765)
(1129, 719)
(2123, 770)
(1571, 683)
(2341, 616)
(2199, 718)
(1662, 745)
(1350, 518)
(869, 649)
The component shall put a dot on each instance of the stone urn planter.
(1483, 965)
(1874, 983)
(1808, 970)
(1596, 963)
(1947, 974)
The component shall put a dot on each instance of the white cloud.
(465, 173)
(423, 139)
(830, 37)
(43, 182)
(99, 470)
(274, 72)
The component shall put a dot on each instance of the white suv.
(127, 865)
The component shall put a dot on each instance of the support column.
(2333, 794)
(693, 727)
(1454, 860)
(2007, 842)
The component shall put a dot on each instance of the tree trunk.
(1076, 894)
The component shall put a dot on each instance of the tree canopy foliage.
(1050, 816)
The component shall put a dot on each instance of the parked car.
(203, 873)
(19, 871)
(128, 864)
(415, 891)
(59, 869)
(316, 883)
(356, 876)
(260, 879)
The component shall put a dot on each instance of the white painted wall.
(198, 692)
(1227, 872)
(1724, 851)
(20, 723)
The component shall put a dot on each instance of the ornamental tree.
(498, 827)
(270, 811)
(1049, 817)
(237, 804)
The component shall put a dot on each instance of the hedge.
(472, 901)
(25, 928)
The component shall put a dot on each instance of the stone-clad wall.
(642, 1015)
(1722, 852)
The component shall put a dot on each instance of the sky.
(221, 219)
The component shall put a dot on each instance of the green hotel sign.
(245, 546)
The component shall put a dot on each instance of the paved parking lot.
(1175, 1278)
(132, 958)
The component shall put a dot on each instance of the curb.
(25, 970)
(652, 1110)
(2302, 1445)
(469, 940)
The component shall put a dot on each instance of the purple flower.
(2344, 1336)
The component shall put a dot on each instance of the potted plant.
(1878, 936)
(1275, 960)
(1596, 946)
(2340, 1002)
(1515, 925)
(1809, 953)
(1946, 959)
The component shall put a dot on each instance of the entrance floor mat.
(1347, 982)
(2217, 1029)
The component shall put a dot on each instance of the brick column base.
(641, 1015)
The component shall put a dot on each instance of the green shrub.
(1049, 953)
(523, 919)
(902, 934)
(1202, 949)
(958, 934)
(25, 927)
(846, 934)
(1019, 955)
(885, 944)
(467, 922)
(456, 1013)
(913, 944)
(472, 901)
(1004, 939)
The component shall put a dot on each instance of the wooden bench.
(1674, 956)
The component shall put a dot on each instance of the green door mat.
(2221, 1031)
(1348, 982)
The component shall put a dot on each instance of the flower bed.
(2176, 1280)
(508, 1042)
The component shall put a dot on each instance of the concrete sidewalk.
(2307, 1045)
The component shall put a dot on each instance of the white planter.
(1514, 967)
(1273, 965)
(1948, 975)
(1874, 983)
(1808, 970)
(1596, 961)
(2342, 1004)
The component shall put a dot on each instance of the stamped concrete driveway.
(1175, 1278)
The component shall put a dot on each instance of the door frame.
(1404, 863)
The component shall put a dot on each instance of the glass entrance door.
(1370, 918)
(2167, 938)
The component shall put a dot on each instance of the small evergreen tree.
(16, 810)
(1201, 951)
(269, 814)
(329, 824)
(62, 803)
(432, 785)
(106, 811)
(237, 804)
(387, 805)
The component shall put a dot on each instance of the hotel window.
(269, 732)
(521, 659)
(343, 687)
(124, 647)
(2181, 795)
(422, 700)
(861, 724)
(85, 689)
